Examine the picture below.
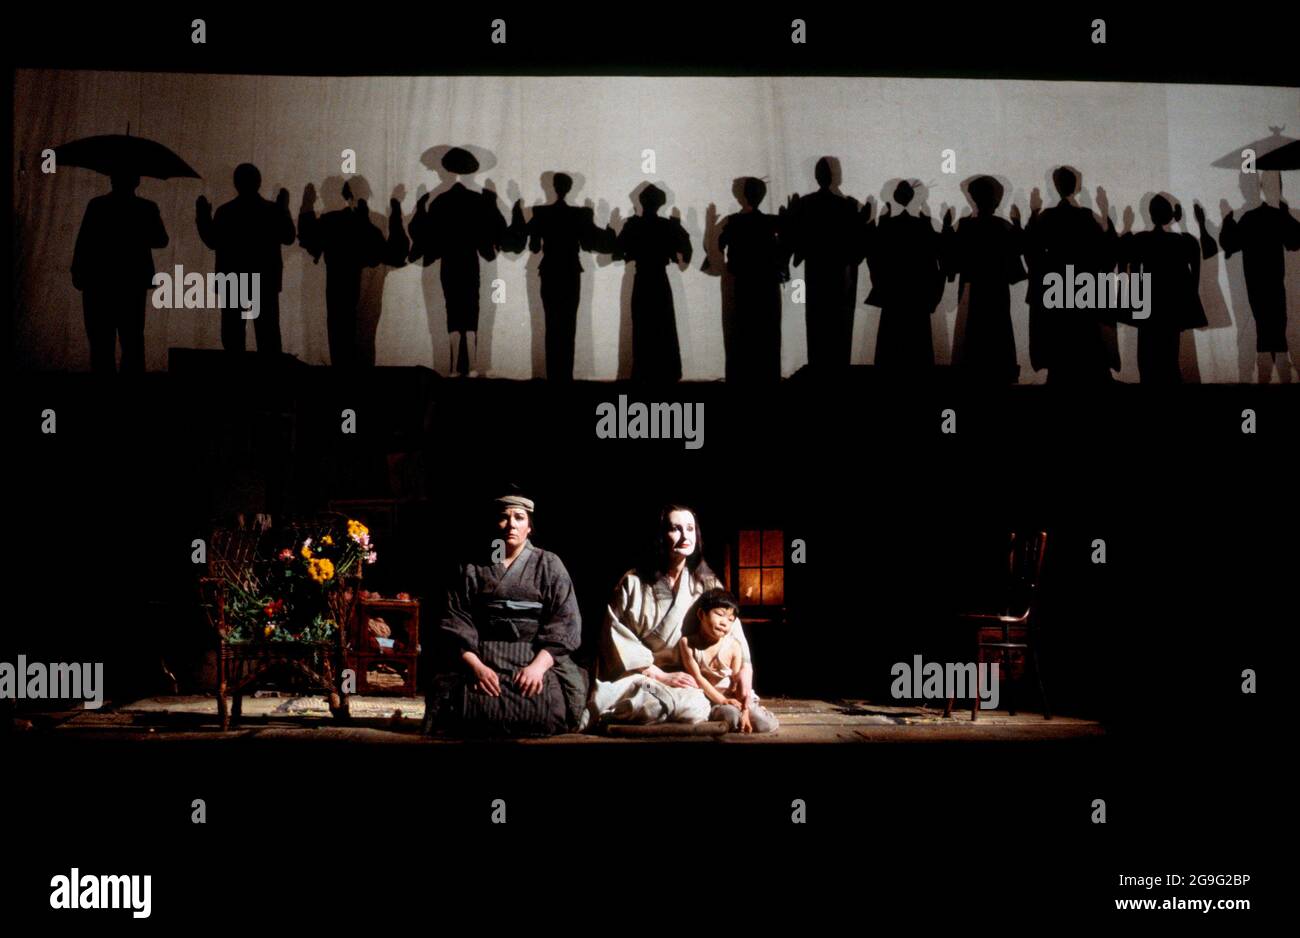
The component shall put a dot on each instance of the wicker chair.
(235, 551)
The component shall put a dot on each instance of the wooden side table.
(370, 659)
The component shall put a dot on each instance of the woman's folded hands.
(529, 679)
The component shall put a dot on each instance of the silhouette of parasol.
(1285, 157)
(1262, 146)
(122, 153)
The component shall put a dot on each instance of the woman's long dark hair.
(655, 562)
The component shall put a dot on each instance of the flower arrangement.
(287, 597)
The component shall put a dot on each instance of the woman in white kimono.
(639, 677)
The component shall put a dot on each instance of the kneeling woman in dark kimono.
(503, 646)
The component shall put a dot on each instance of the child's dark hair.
(717, 598)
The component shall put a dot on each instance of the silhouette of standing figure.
(823, 232)
(652, 243)
(350, 241)
(758, 261)
(558, 232)
(1173, 260)
(247, 233)
(985, 251)
(112, 266)
(904, 257)
(1263, 233)
(1069, 343)
(459, 226)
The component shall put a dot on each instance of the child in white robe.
(717, 660)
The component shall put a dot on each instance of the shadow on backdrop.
(649, 242)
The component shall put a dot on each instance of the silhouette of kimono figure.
(112, 266)
(903, 253)
(1263, 233)
(758, 261)
(1069, 343)
(459, 226)
(559, 231)
(1173, 259)
(652, 243)
(823, 231)
(984, 250)
(247, 233)
(350, 241)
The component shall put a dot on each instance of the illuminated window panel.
(761, 568)
(773, 586)
(773, 549)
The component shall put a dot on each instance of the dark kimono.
(984, 251)
(1070, 343)
(824, 232)
(904, 257)
(459, 226)
(757, 261)
(1174, 262)
(653, 243)
(505, 616)
(1261, 235)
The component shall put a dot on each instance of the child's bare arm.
(744, 674)
(693, 669)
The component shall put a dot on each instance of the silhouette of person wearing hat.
(112, 266)
(559, 232)
(247, 233)
(984, 251)
(459, 226)
(349, 241)
(823, 231)
(652, 243)
(904, 255)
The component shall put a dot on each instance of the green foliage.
(288, 597)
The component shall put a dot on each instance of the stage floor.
(396, 720)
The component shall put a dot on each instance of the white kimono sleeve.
(622, 647)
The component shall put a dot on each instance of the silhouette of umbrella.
(1287, 157)
(120, 153)
(1261, 146)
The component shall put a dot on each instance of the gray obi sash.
(506, 620)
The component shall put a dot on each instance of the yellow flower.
(357, 529)
(266, 633)
(320, 570)
(306, 552)
(327, 539)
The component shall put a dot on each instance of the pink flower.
(286, 554)
(372, 556)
